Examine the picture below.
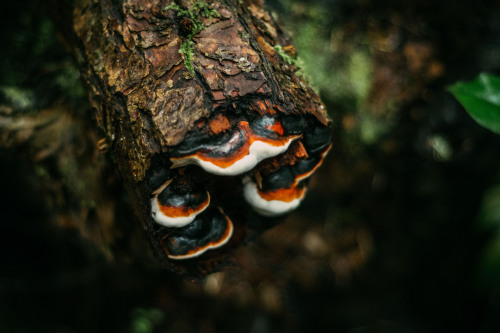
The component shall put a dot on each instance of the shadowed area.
(386, 239)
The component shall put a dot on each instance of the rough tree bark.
(158, 71)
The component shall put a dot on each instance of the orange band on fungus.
(283, 194)
(250, 138)
(182, 211)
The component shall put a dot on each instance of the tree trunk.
(160, 73)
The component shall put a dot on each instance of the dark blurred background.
(400, 231)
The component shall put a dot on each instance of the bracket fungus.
(210, 230)
(176, 205)
(238, 151)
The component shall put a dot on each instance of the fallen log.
(205, 113)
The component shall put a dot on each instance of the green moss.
(288, 59)
(187, 51)
(199, 9)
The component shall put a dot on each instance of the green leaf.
(481, 99)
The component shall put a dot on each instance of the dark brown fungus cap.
(281, 195)
(240, 151)
(176, 204)
(210, 230)
(317, 139)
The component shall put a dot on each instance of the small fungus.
(208, 231)
(275, 202)
(174, 206)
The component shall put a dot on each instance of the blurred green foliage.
(35, 69)
(338, 74)
(339, 67)
(489, 221)
(144, 320)
(481, 99)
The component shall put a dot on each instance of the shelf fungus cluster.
(268, 160)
